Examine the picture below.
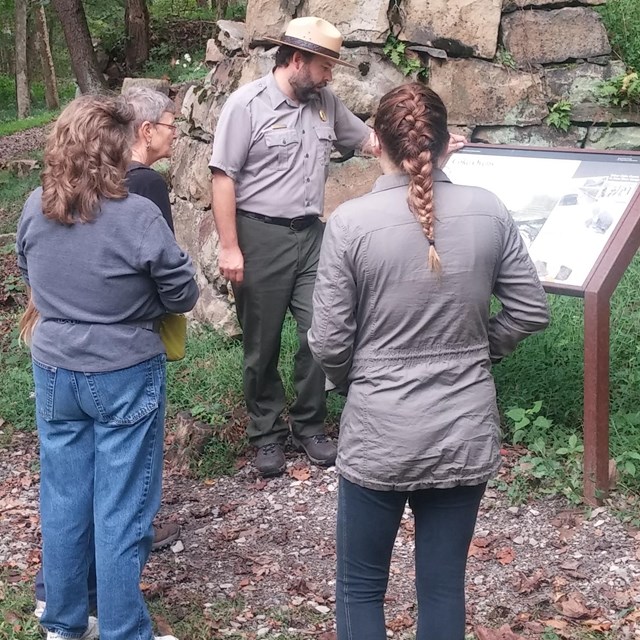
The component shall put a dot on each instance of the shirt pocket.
(281, 147)
(326, 138)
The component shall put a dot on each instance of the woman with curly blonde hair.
(402, 324)
(103, 267)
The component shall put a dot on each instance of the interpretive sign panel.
(579, 214)
(566, 204)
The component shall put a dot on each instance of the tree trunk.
(46, 59)
(83, 58)
(136, 19)
(221, 8)
(22, 80)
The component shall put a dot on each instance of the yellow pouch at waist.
(173, 332)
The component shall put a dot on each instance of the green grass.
(38, 120)
(16, 610)
(548, 367)
(39, 114)
(622, 20)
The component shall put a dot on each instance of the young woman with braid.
(402, 324)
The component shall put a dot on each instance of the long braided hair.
(411, 124)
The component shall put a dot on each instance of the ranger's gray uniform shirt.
(277, 151)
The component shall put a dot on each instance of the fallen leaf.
(479, 548)
(598, 625)
(528, 584)
(11, 617)
(400, 622)
(162, 625)
(503, 633)
(300, 473)
(506, 555)
(555, 623)
(574, 607)
(634, 616)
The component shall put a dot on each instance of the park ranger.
(270, 163)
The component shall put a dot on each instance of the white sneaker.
(165, 638)
(40, 605)
(92, 632)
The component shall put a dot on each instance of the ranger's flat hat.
(314, 35)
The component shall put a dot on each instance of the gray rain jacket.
(415, 347)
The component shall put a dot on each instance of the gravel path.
(23, 142)
(269, 545)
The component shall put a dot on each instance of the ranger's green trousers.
(280, 267)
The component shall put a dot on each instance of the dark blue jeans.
(368, 522)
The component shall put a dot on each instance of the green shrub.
(622, 91)
(622, 20)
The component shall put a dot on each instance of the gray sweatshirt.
(99, 286)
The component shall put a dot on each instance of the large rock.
(578, 82)
(622, 138)
(361, 89)
(482, 93)
(190, 175)
(202, 103)
(454, 25)
(259, 63)
(599, 114)
(533, 136)
(213, 54)
(195, 232)
(157, 84)
(358, 20)
(268, 18)
(349, 180)
(512, 5)
(231, 35)
(539, 37)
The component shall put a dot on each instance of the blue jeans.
(101, 438)
(368, 522)
(41, 594)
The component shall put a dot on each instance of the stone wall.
(499, 65)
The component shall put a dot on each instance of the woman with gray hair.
(155, 132)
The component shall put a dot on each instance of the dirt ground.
(269, 545)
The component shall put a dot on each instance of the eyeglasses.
(164, 124)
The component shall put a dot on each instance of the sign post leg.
(596, 397)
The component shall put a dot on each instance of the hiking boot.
(164, 535)
(92, 632)
(270, 460)
(319, 449)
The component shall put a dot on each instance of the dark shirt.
(146, 182)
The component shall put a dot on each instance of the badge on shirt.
(323, 116)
